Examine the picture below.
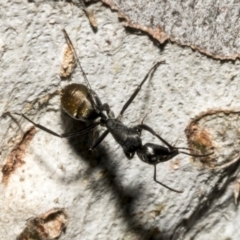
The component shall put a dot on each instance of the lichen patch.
(15, 158)
(217, 130)
(68, 62)
(46, 226)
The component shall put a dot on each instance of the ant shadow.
(101, 159)
(205, 209)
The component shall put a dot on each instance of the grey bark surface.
(211, 27)
(105, 195)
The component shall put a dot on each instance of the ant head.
(153, 153)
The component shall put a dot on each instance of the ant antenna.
(194, 155)
(197, 155)
(175, 142)
(190, 149)
(75, 53)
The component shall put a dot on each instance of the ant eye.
(139, 130)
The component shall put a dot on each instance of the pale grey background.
(117, 199)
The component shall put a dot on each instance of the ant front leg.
(132, 97)
(149, 129)
(64, 135)
(99, 140)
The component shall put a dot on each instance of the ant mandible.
(82, 103)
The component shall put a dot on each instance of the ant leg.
(64, 135)
(155, 179)
(129, 101)
(81, 132)
(105, 107)
(147, 128)
(99, 140)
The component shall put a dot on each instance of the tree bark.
(104, 195)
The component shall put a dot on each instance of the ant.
(81, 103)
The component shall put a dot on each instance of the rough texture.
(105, 195)
(15, 158)
(205, 132)
(212, 27)
(47, 226)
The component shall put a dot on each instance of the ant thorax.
(128, 138)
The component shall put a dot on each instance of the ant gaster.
(82, 103)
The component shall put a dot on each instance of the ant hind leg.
(64, 135)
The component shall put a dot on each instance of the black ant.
(82, 103)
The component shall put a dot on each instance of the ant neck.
(103, 117)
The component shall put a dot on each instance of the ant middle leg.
(99, 140)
